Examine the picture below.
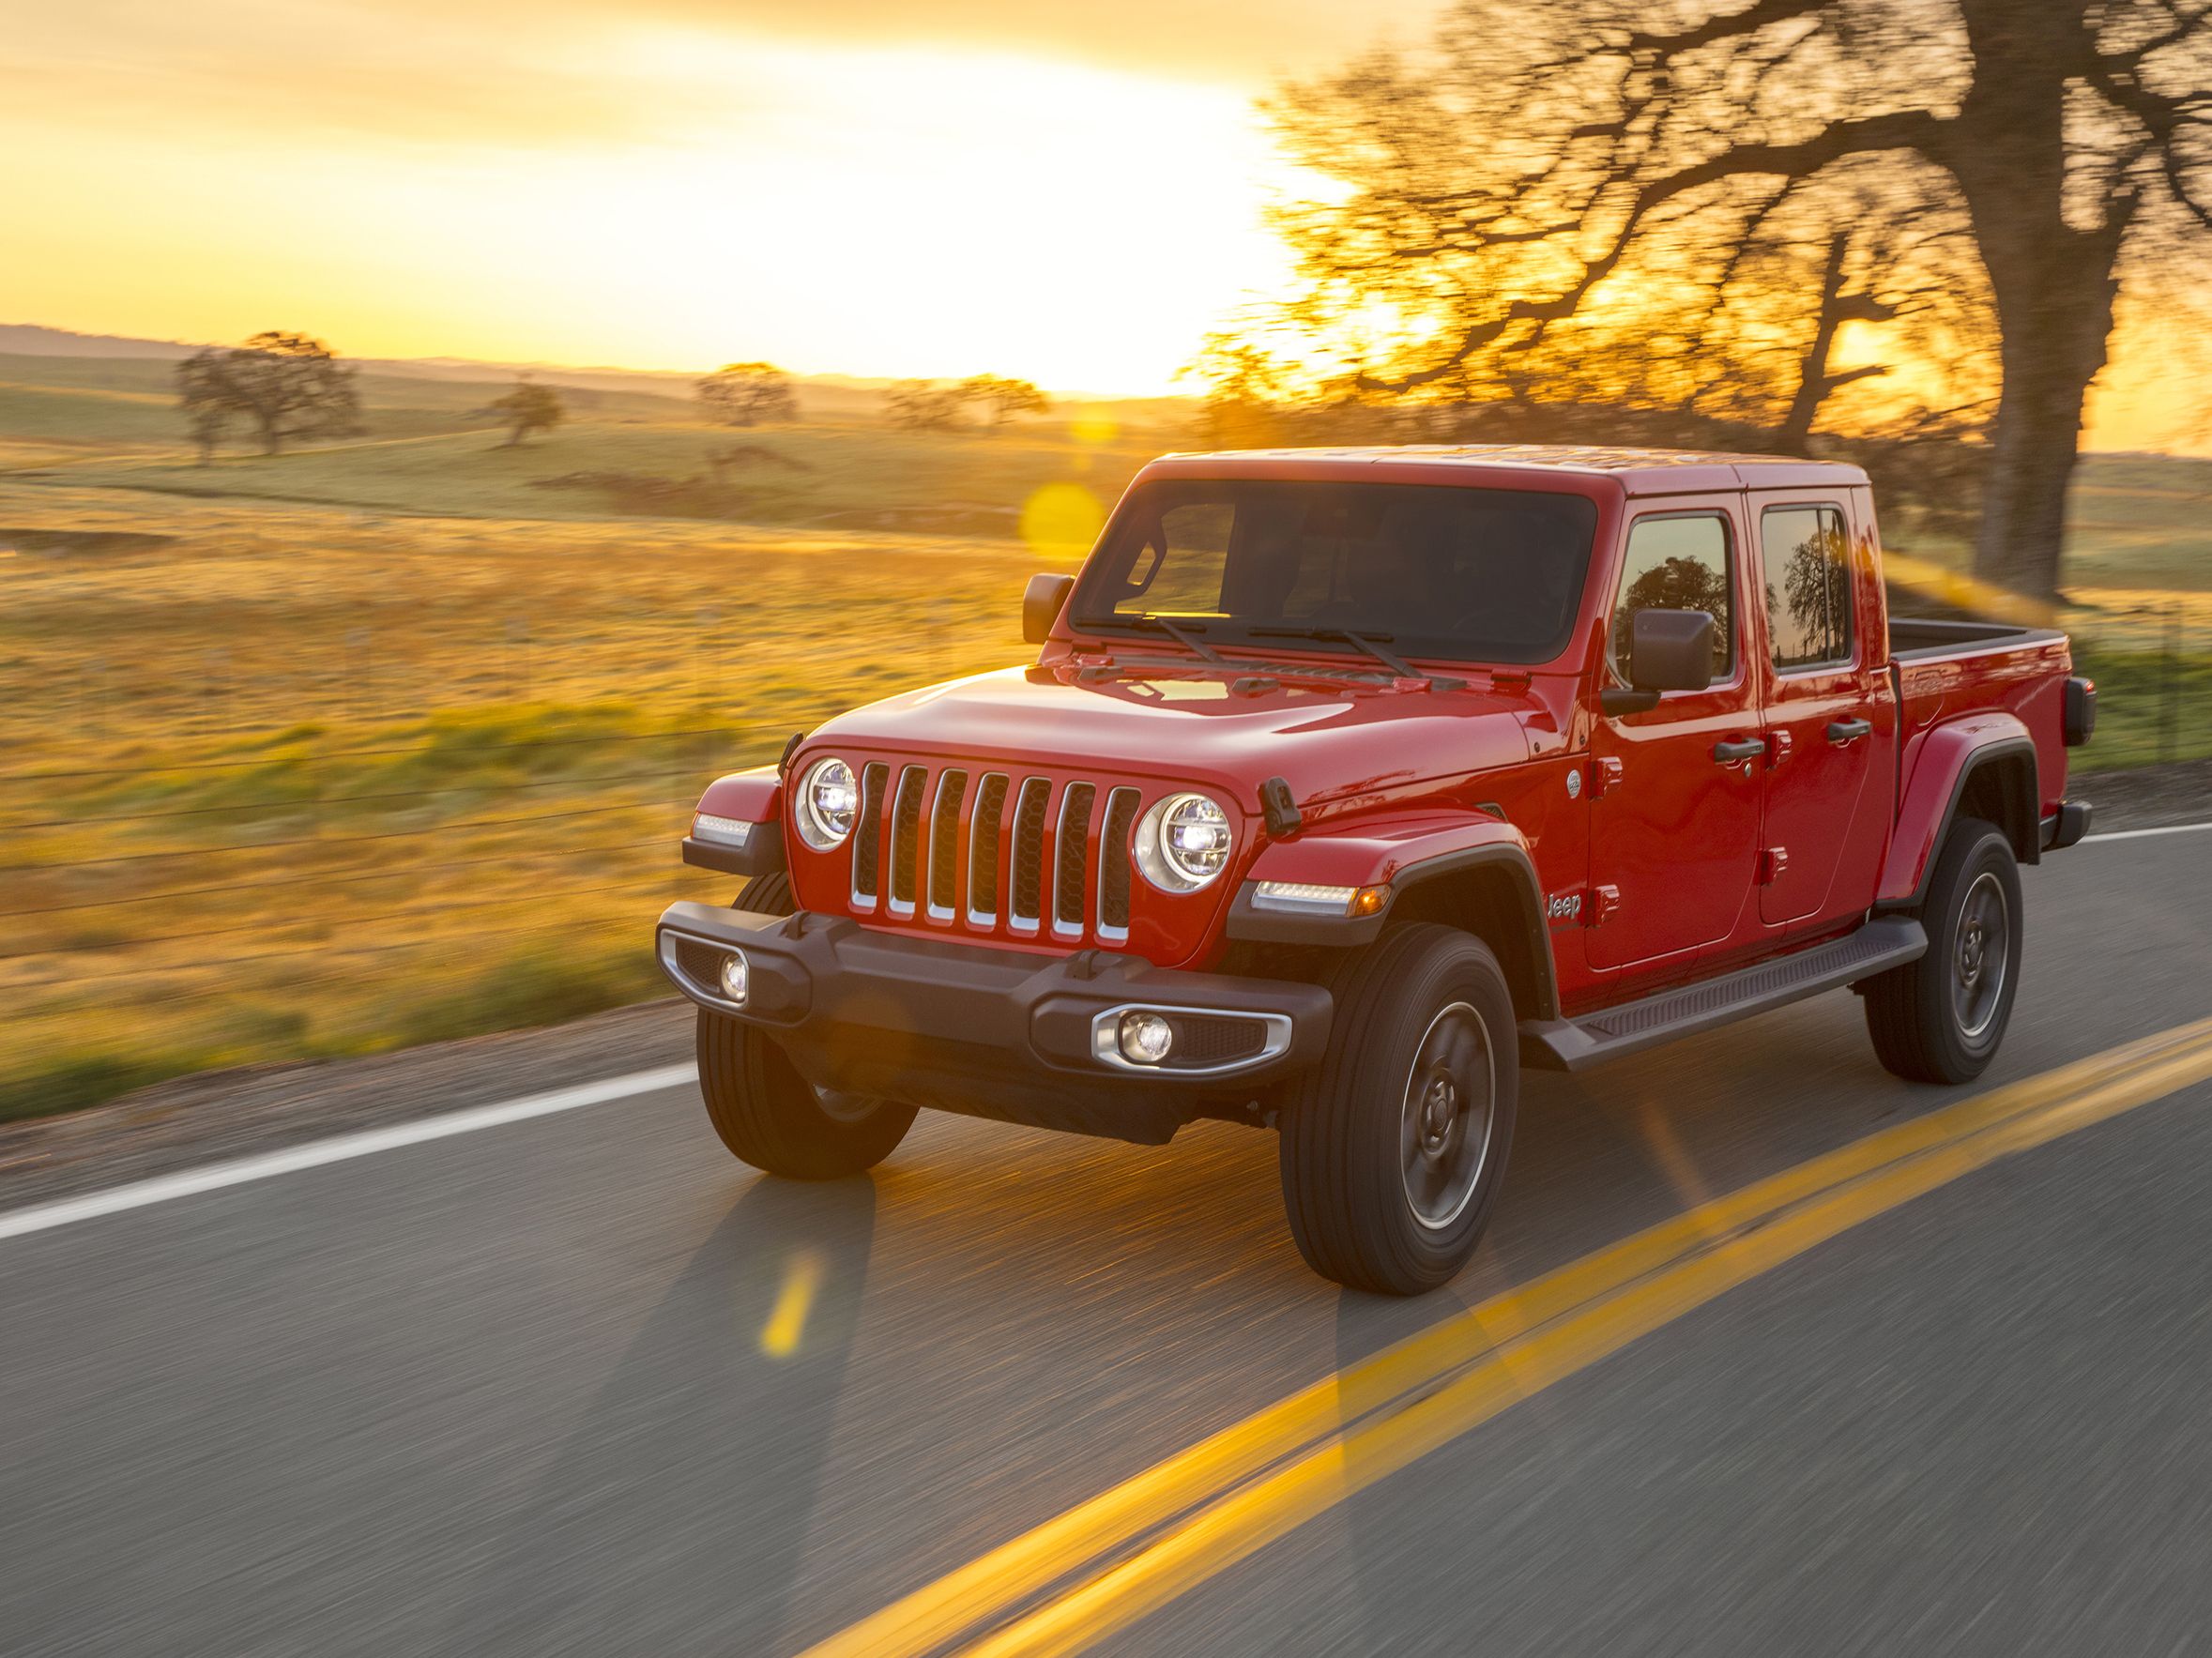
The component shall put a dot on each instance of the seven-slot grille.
(995, 850)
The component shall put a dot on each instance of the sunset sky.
(1071, 192)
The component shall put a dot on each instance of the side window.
(1179, 571)
(1807, 585)
(1678, 564)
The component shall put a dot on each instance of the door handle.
(1736, 753)
(1843, 732)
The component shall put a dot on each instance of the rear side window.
(1808, 587)
(1682, 563)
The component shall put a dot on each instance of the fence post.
(2170, 689)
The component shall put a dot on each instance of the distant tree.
(199, 387)
(924, 405)
(529, 407)
(281, 386)
(1003, 397)
(747, 394)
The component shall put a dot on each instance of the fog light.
(733, 979)
(1146, 1038)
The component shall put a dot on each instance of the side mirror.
(1041, 604)
(1668, 650)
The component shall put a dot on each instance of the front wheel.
(1940, 1019)
(773, 1118)
(768, 1115)
(1394, 1149)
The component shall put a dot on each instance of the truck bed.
(1948, 672)
(1912, 637)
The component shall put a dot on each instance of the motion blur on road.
(436, 443)
(580, 1384)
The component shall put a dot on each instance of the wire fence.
(2153, 660)
(275, 873)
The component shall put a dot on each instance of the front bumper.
(997, 1033)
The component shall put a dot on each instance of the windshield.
(1463, 574)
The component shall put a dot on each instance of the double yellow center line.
(1103, 1565)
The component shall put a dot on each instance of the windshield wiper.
(1184, 634)
(1370, 642)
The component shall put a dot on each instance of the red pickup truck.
(1347, 783)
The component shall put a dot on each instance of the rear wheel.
(768, 1115)
(1394, 1150)
(1941, 1018)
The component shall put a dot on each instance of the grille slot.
(1071, 856)
(1114, 862)
(983, 838)
(1025, 888)
(867, 832)
(944, 843)
(906, 834)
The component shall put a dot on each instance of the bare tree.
(1547, 168)
(747, 394)
(529, 407)
(282, 386)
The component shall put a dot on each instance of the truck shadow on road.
(720, 1409)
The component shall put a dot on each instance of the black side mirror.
(1668, 650)
(1041, 604)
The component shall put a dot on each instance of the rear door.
(1675, 826)
(1826, 710)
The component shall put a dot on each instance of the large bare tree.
(1622, 166)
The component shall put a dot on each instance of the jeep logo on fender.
(1563, 908)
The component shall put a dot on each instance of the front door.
(1826, 714)
(1675, 826)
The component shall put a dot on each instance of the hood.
(1325, 737)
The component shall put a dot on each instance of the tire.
(1378, 1199)
(770, 1115)
(767, 895)
(1940, 1019)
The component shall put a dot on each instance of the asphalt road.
(582, 1384)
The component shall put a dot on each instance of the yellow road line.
(1160, 1534)
(787, 1320)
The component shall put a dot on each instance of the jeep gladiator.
(1345, 784)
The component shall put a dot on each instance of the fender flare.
(1950, 757)
(1405, 863)
(756, 797)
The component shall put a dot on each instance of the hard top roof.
(1641, 471)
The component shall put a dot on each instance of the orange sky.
(1066, 191)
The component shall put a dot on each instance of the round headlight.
(829, 797)
(1183, 843)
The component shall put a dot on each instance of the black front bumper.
(997, 1033)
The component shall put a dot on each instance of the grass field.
(301, 783)
(391, 740)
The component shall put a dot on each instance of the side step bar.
(1575, 1044)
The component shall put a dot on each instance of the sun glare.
(887, 212)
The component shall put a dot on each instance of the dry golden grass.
(300, 781)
